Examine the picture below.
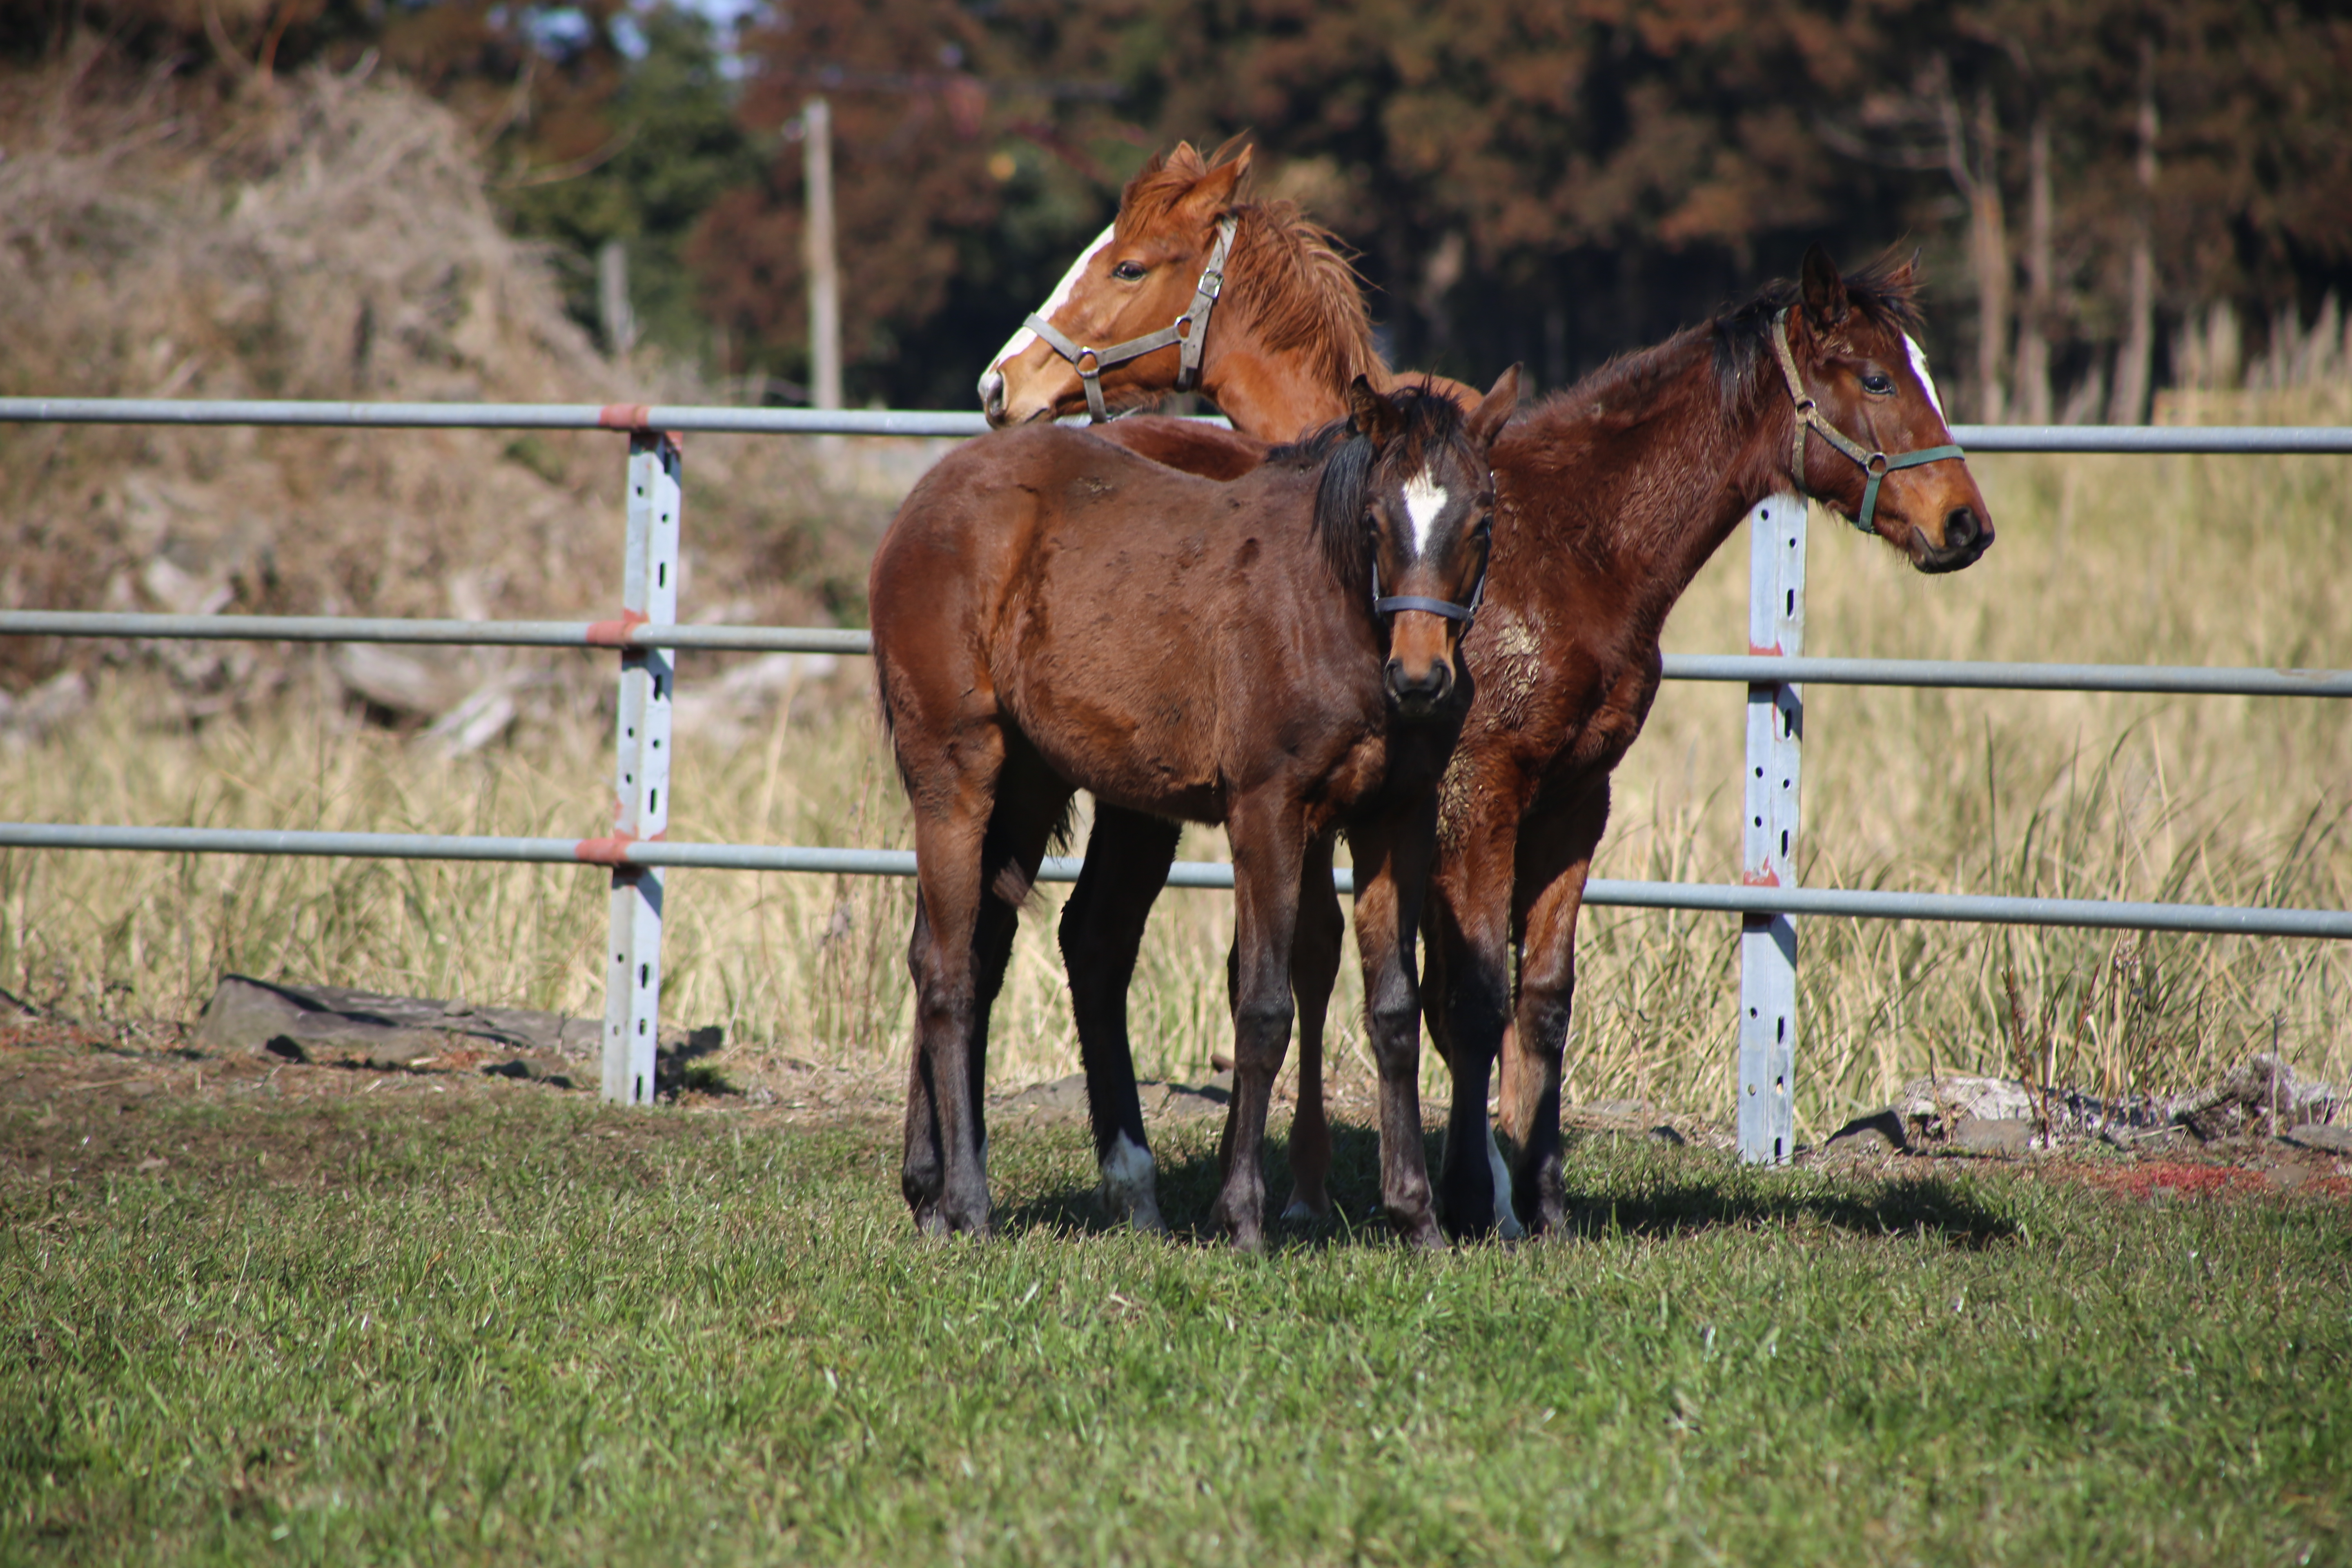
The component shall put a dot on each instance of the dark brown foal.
(1052, 613)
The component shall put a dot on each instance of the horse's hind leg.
(1127, 855)
(979, 836)
(1313, 970)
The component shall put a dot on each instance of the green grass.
(508, 1326)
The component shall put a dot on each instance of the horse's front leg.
(1468, 997)
(1392, 858)
(1269, 844)
(1555, 859)
(1127, 855)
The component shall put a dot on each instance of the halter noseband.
(1189, 333)
(1465, 613)
(1877, 465)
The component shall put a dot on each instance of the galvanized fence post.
(641, 782)
(1776, 726)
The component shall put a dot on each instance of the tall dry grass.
(2224, 800)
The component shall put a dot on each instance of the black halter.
(1465, 613)
(1877, 465)
(1189, 333)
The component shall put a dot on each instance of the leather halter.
(1465, 613)
(1189, 333)
(1877, 465)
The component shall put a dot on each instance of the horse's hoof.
(1145, 1218)
(1420, 1232)
(930, 1223)
(1303, 1208)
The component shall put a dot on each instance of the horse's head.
(1140, 278)
(1870, 440)
(1404, 510)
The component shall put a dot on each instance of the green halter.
(1877, 465)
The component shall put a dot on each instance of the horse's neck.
(1275, 396)
(1653, 518)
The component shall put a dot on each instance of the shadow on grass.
(1641, 1191)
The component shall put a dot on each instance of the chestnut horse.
(1052, 613)
(1611, 495)
(1266, 320)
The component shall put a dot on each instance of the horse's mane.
(1741, 340)
(1431, 420)
(1286, 271)
(1885, 292)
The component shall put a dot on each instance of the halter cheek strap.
(1189, 333)
(1876, 465)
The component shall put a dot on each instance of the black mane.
(1431, 420)
(1884, 291)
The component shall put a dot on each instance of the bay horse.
(1611, 496)
(1276, 653)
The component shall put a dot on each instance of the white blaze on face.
(1424, 503)
(1919, 369)
(1054, 302)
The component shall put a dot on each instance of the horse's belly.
(1145, 749)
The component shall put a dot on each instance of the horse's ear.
(1372, 414)
(1824, 288)
(1212, 193)
(1495, 410)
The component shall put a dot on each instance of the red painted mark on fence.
(625, 416)
(615, 634)
(1767, 877)
(611, 850)
(1756, 651)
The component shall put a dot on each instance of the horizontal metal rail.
(676, 417)
(1737, 669)
(1703, 897)
(1990, 675)
(2267, 439)
(465, 634)
(2249, 440)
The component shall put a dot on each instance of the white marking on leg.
(1424, 503)
(1054, 302)
(1919, 369)
(1130, 1184)
(1507, 1222)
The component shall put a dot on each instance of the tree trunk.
(2136, 359)
(824, 276)
(2033, 367)
(1989, 258)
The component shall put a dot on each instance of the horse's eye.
(1877, 383)
(1128, 271)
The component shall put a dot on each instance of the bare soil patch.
(81, 1104)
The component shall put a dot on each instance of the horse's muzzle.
(992, 398)
(1418, 697)
(1966, 538)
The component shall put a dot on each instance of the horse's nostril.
(1429, 689)
(1961, 527)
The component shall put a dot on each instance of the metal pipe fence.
(645, 633)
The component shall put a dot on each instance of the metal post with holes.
(641, 779)
(1775, 729)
